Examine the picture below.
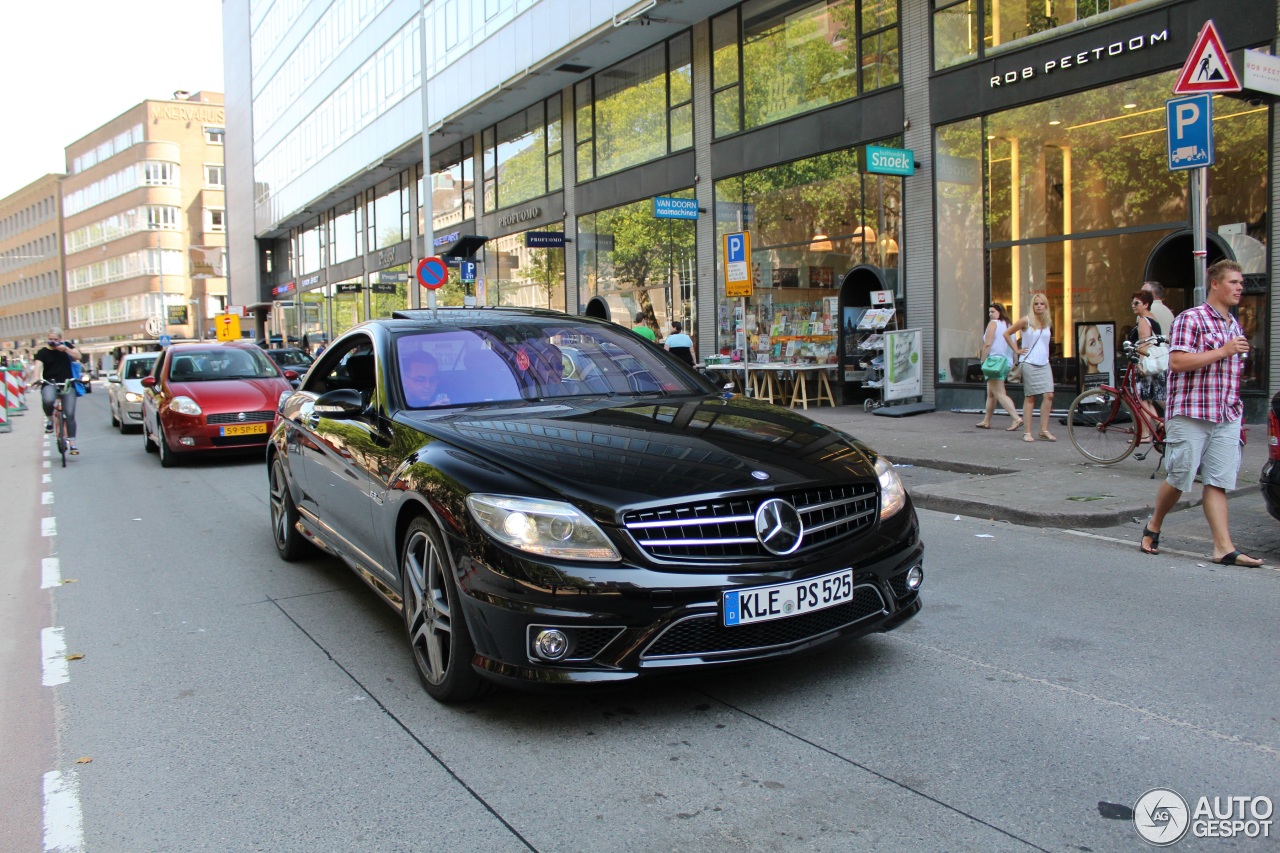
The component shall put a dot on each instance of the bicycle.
(1106, 423)
(59, 423)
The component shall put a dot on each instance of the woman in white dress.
(1037, 376)
(993, 343)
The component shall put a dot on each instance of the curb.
(1037, 518)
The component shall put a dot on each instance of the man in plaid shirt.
(1207, 349)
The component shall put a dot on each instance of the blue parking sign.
(1189, 122)
(467, 271)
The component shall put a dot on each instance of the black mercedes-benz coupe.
(550, 499)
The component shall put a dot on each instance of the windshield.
(136, 368)
(532, 360)
(221, 363)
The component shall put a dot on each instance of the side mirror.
(148, 382)
(113, 377)
(340, 404)
(291, 375)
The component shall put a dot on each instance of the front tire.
(1102, 426)
(284, 516)
(438, 637)
(168, 459)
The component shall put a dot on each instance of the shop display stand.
(871, 329)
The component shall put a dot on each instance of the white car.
(124, 389)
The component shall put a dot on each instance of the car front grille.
(234, 418)
(705, 634)
(725, 529)
(898, 583)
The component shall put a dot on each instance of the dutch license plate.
(242, 429)
(762, 603)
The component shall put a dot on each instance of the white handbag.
(1155, 361)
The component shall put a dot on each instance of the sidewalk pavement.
(996, 475)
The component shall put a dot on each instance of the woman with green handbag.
(997, 360)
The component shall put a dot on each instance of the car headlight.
(893, 495)
(284, 395)
(546, 528)
(130, 397)
(185, 406)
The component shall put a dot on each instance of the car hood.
(234, 395)
(638, 452)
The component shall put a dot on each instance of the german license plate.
(778, 601)
(242, 429)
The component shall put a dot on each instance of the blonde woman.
(1037, 376)
(993, 343)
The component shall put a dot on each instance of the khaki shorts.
(1213, 449)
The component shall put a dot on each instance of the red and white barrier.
(14, 401)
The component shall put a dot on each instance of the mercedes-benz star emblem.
(760, 475)
(778, 526)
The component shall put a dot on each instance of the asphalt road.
(228, 701)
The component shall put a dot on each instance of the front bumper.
(187, 434)
(629, 622)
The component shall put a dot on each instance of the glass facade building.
(559, 130)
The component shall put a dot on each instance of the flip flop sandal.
(1155, 541)
(1015, 427)
(1233, 559)
(1027, 438)
(1048, 437)
(983, 426)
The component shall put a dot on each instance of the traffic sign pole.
(1199, 251)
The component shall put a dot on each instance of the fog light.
(551, 644)
(187, 441)
(915, 577)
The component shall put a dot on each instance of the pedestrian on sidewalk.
(1148, 388)
(1037, 376)
(1207, 349)
(993, 343)
(642, 328)
(1159, 310)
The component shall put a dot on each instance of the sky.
(70, 66)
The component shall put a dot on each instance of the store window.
(525, 276)
(636, 111)
(640, 264)
(309, 247)
(388, 291)
(966, 30)
(520, 152)
(772, 59)
(811, 221)
(1078, 194)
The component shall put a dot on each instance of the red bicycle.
(1106, 423)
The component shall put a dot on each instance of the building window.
(214, 176)
(965, 30)
(387, 222)
(214, 135)
(160, 174)
(636, 111)
(519, 153)
(215, 219)
(453, 195)
(773, 59)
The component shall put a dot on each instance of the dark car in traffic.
(211, 398)
(628, 519)
(1271, 470)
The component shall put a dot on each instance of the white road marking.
(50, 573)
(54, 649)
(46, 463)
(63, 826)
(49, 526)
(46, 498)
(46, 478)
(48, 452)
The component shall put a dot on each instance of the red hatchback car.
(210, 397)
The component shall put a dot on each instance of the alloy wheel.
(428, 609)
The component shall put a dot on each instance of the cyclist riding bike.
(53, 363)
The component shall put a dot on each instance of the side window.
(351, 365)
(158, 370)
